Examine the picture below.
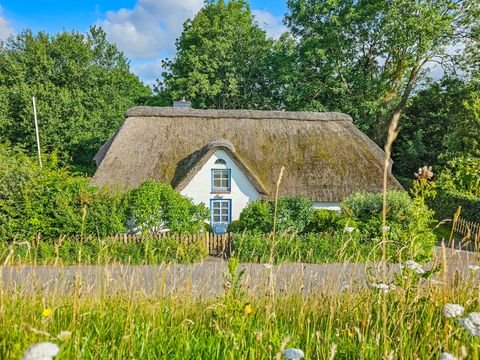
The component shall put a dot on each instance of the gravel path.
(203, 280)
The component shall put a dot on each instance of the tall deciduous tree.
(365, 57)
(82, 85)
(222, 59)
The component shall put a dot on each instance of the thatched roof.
(325, 156)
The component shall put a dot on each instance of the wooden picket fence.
(216, 244)
(467, 229)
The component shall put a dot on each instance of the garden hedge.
(446, 203)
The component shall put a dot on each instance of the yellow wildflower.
(47, 312)
(248, 309)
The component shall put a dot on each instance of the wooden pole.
(36, 131)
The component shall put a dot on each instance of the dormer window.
(220, 162)
(221, 180)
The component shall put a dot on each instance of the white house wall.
(327, 205)
(199, 189)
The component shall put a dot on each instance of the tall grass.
(67, 251)
(134, 326)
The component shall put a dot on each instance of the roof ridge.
(154, 111)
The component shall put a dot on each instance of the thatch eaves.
(326, 157)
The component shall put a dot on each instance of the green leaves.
(82, 85)
(155, 205)
(221, 61)
(364, 57)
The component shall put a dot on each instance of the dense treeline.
(82, 85)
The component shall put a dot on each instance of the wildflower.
(267, 266)
(386, 228)
(471, 323)
(64, 335)
(47, 312)
(383, 287)
(227, 285)
(447, 356)
(349, 229)
(473, 267)
(345, 286)
(453, 310)
(248, 309)
(293, 354)
(413, 265)
(41, 351)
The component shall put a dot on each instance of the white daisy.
(447, 356)
(41, 351)
(471, 323)
(293, 354)
(453, 310)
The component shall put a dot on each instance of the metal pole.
(36, 131)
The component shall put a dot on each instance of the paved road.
(206, 279)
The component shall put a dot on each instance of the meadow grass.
(341, 325)
(350, 325)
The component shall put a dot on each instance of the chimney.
(182, 104)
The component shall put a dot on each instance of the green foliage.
(327, 220)
(222, 60)
(409, 221)
(365, 57)
(82, 85)
(439, 124)
(293, 215)
(38, 202)
(156, 205)
(235, 226)
(256, 217)
(322, 247)
(365, 206)
(52, 202)
(447, 202)
(71, 251)
(133, 325)
(105, 213)
(462, 174)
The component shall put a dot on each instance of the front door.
(221, 211)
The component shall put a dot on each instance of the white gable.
(199, 189)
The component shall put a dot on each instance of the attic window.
(220, 162)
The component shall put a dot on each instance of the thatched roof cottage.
(226, 158)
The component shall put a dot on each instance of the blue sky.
(144, 29)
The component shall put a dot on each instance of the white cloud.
(5, 29)
(269, 22)
(151, 27)
(149, 72)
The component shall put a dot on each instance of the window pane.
(225, 218)
(216, 204)
(224, 211)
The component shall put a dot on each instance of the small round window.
(220, 162)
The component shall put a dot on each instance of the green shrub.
(446, 203)
(235, 227)
(105, 213)
(154, 205)
(34, 202)
(409, 221)
(327, 220)
(462, 175)
(256, 217)
(293, 215)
